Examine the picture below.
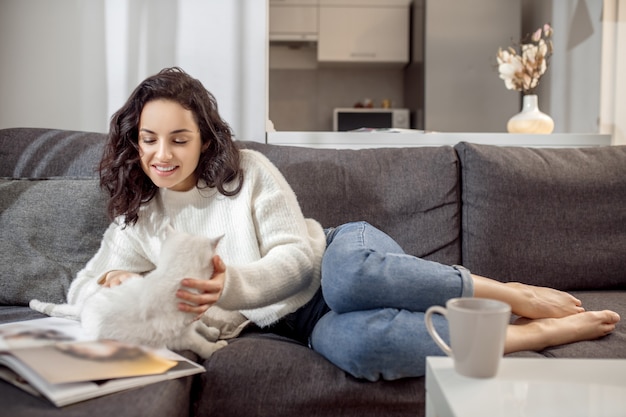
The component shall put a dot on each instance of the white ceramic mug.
(477, 334)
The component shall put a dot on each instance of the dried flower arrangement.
(522, 68)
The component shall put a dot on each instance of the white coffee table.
(529, 387)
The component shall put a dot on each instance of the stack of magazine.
(53, 358)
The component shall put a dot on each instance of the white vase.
(530, 119)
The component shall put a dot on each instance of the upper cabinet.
(346, 31)
(293, 20)
(363, 31)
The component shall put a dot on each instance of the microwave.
(348, 118)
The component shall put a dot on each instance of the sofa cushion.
(49, 229)
(42, 153)
(412, 194)
(10, 314)
(551, 217)
(268, 375)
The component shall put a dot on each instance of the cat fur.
(145, 310)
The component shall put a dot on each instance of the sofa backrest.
(44, 153)
(333, 186)
(552, 217)
(49, 229)
(52, 211)
(410, 193)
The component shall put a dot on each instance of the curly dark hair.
(121, 174)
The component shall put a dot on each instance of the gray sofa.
(552, 217)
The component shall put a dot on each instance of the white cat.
(145, 310)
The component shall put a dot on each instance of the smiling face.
(169, 144)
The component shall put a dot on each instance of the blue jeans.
(378, 295)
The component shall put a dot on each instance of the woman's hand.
(115, 278)
(206, 293)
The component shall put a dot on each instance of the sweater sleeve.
(119, 250)
(291, 247)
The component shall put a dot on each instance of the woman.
(350, 291)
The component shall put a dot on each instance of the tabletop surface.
(529, 387)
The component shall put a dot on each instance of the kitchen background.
(447, 78)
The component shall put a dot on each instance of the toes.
(613, 316)
(607, 317)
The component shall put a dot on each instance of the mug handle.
(431, 329)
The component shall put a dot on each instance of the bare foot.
(544, 302)
(528, 300)
(538, 334)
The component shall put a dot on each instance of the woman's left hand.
(206, 293)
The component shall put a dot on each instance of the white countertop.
(414, 138)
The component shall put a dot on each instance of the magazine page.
(70, 393)
(54, 357)
(64, 362)
(39, 332)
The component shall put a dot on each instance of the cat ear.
(216, 240)
(169, 230)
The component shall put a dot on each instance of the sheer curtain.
(613, 89)
(70, 64)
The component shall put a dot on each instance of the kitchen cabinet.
(293, 20)
(363, 31)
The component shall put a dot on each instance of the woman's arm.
(290, 246)
(119, 255)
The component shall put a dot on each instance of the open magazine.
(52, 357)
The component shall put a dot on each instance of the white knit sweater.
(272, 253)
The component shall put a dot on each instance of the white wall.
(69, 64)
(53, 68)
(462, 90)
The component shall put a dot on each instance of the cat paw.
(207, 332)
(36, 305)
